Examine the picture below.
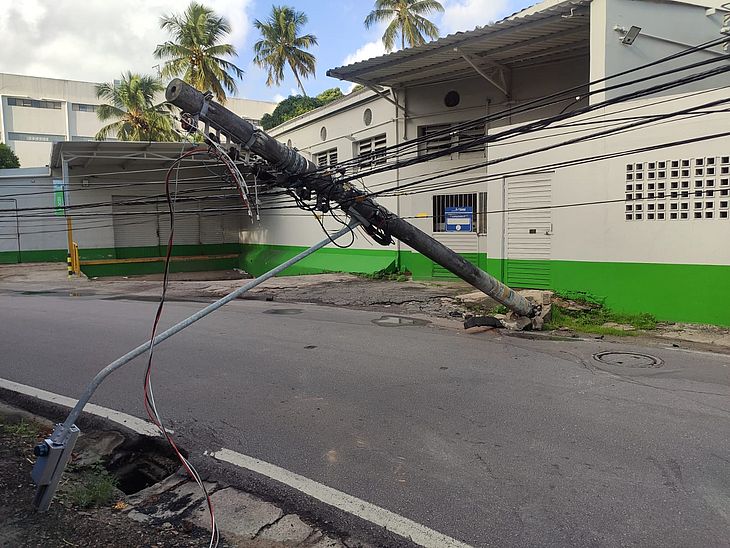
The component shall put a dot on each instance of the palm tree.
(407, 18)
(131, 106)
(196, 53)
(281, 45)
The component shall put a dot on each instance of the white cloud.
(463, 15)
(95, 40)
(367, 51)
(278, 98)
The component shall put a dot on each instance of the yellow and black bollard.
(69, 265)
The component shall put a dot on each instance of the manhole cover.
(399, 321)
(284, 311)
(628, 359)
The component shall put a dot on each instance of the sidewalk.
(447, 300)
(92, 509)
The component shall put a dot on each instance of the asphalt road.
(490, 439)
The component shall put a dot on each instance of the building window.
(456, 212)
(371, 152)
(327, 158)
(80, 107)
(36, 137)
(441, 137)
(33, 103)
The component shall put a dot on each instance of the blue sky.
(338, 25)
(97, 40)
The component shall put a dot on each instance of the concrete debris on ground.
(243, 519)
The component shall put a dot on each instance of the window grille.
(33, 103)
(371, 152)
(442, 201)
(437, 138)
(80, 107)
(326, 158)
(37, 137)
(684, 194)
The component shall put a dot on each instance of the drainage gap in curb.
(629, 359)
(284, 311)
(142, 464)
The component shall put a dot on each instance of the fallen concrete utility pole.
(303, 177)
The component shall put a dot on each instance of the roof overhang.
(550, 30)
(101, 154)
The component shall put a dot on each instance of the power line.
(540, 102)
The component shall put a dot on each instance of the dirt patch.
(67, 524)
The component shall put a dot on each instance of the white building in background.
(37, 112)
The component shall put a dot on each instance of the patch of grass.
(499, 309)
(93, 487)
(593, 320)
(22, 430)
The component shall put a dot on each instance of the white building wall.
(343, 124)
(40, 230)
(667, 27)
(600, 232)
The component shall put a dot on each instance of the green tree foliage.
(196, 53)
(281, 45)
(131, 105)
(295, 105)
(8, 159)
(329, 95)
(406, 18)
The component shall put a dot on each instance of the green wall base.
(623, 287)
(33, 256)
(257, 259)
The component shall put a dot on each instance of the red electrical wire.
(149, 405)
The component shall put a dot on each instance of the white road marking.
(404, 527)
(133, 423)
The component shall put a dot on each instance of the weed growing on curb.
(93, 487)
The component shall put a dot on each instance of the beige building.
(37, 112)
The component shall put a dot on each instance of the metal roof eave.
(509, 32)
(116, 150)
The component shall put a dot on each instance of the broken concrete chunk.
(288, 529)
(238, 514)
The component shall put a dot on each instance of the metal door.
(187, 223)
(9, 232)
(135, 226)
(528, 229)
(234, 216)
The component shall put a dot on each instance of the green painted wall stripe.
(33, 256)
(258, 258)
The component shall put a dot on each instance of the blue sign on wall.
(458, 219)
